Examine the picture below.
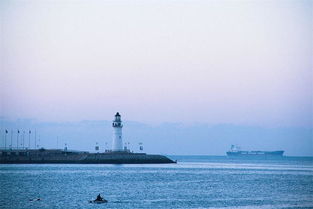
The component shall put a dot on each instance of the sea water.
(194, 182)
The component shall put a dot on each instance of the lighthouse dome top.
(117, 122)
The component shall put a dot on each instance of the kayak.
(36, 199)
(98, 201)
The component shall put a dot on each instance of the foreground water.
(195, 182)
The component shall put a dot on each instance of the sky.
(246, 63)
(242, 62)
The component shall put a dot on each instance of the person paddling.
(99, 198)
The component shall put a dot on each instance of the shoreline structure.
(117, 155)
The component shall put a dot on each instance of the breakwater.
(42, 156)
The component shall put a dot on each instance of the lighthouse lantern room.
(117, 144)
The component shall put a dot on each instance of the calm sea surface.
(195, 182)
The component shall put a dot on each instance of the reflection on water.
(195, 182)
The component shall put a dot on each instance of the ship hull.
(255, 154)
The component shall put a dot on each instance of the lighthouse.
(117, 125)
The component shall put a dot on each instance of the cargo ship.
(236, 152)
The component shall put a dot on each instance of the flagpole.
(5, 139)
(18, 133)
(23, 139)
(35, 138)
(29, 139)
(11, 139)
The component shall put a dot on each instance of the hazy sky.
(239, 62)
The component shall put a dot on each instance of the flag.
(29, 131)
(18, 131)
(6, 131)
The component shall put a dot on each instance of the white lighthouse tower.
(117, 144)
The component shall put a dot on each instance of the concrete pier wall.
(43, 156)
